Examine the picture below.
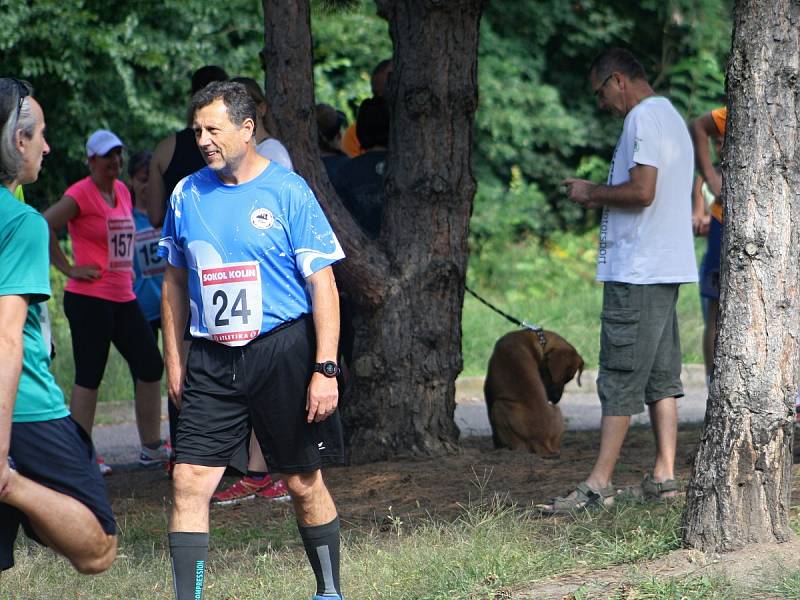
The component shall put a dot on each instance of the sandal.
(655, 490)
(585, 498)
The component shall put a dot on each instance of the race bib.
(146, 248)
(120, 244)
(232, 302)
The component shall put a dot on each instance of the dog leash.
(537, 329)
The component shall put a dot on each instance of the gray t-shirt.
(273, 150)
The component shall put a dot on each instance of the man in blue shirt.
(49, 482)
(250, 255)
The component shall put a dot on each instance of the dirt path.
(747, 569)
(438, 487)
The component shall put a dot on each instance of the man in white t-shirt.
(645, 252)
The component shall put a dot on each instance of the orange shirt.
(350, 144)
(720, 116)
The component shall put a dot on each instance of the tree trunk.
(741, 480)
(407, 286)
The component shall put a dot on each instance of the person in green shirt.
(49, 482)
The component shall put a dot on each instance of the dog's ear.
(563, 363)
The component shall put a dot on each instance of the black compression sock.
(256, 474)
(322, 547)
(189, 553)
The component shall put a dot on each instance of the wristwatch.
(327, 368)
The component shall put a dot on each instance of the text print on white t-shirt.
(232, 302)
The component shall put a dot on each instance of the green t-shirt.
(24, 271)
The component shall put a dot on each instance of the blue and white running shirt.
(248, 249)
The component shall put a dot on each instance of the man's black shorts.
(263, 384)
(59, 455)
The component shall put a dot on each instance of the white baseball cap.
(101, 142)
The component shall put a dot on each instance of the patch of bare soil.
(438, 487)
(748, 570)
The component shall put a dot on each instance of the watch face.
(329, 369)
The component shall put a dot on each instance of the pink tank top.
(103, 236)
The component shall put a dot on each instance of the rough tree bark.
(408, 285)
(741, 479)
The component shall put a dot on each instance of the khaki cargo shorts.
(640, 348)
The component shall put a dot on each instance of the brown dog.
(523, 384)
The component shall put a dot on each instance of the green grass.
(787, 587)
(689, 588)
(553, 286)
(490, 546)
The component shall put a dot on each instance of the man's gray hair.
(15, 117)
(235, 96)
(617, 60)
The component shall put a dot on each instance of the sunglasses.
(24, 90)
(599, 90)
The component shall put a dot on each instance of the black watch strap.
(327, 368)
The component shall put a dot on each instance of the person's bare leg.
(664, 419)
(709, 336)
(613, 430)
(319, 529)
(64, 524)
(148, 411)
(82, 406)
(313, 504)
(256, 460)
(192, 487)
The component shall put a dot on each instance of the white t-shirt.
(273, 150)
(652, 244)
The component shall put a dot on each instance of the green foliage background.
(126, 65)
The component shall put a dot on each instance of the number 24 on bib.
(232, 302)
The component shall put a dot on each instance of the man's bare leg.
(256, 460)
(64, 524)
(319, 528)
(313, 504)
(664, 419)
(192, 487)
(613, 430)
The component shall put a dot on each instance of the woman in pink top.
(98, 299)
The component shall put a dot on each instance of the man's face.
(33, 150)
(222, 144)
(608, 93)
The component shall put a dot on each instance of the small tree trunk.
(741, 480)
(407, 286)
